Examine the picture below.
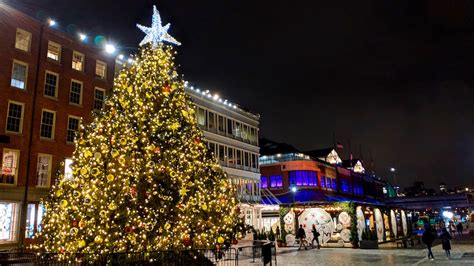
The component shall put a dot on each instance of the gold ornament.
(175, 126)
(97, 155)
(87, 154)
(183, 191)
(110, 177)
(58, 193)
(84, 171)
(112, 206)
(115, 153)
(74, 231)
(185, 113)
(82, 224)
(95, 171)
(204, 207)
(220, 240)
(98, 239)
(167, 226)
(64, 203)
(123, 141)
(81, 243)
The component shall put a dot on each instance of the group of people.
(430, 235)
(301, 236)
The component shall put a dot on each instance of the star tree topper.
(156, 34)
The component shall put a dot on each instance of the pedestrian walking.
(315, 236)
(428, 238)
(278, 232)
(459, 227)
(446, 242)
(301, 235)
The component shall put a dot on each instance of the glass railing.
(263, 160)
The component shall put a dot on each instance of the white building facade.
(231, 133)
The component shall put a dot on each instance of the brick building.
(49, 81)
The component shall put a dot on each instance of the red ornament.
(157, 150)
(197, 141)
(235, 241)
(187, 241)
(133, 192)
(166, 88)
(74, 223)
(128, 229)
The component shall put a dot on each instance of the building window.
(222, 153)
(229, 126)
(75, 96)
(54, 51)
(201, 116)
(323, 182)
(77, 61)
(43, 170)
(246, 159)
(72, 128)
(239, 157)
(334, 186)
(47, 124)
(220, 124)
(8, 221)
(99, 97)
(68, 168)
(303, 178)
(276, 181)
(23, 40)
(263, 182)
(237, 130)
(254, 161)
(15, 117)
(100, 69)
(34, 219)
(345, 186)
(51, 84)
(212, 121)
(230, 155)
(19, 75)
(10, 166)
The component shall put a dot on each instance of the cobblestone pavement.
(461, 254)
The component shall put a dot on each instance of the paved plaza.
(461, 254)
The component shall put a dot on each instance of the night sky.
(394, 77)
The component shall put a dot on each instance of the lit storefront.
(339, 223)
(9, 222)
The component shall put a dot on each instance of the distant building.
(231, 133)
(50, 82)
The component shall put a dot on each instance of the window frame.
(67, 127)
(56, 86)
(15, 61)
(57, 45)
(97, 63)
(29, 41)
(95, 99)
(21, 119)
(82, 61)
(18, 152)
(80, 95)
(50, 167)
(53, 128)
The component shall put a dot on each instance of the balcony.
(272, 159)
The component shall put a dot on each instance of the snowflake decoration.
(156, 34)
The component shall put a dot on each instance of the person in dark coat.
(428, 238)
(445, 241)
(278, 232)
(315, 236)
(459, 227)
(301, 235)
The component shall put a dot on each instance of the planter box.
(369, 244)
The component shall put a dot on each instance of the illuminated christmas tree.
(142, 178)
